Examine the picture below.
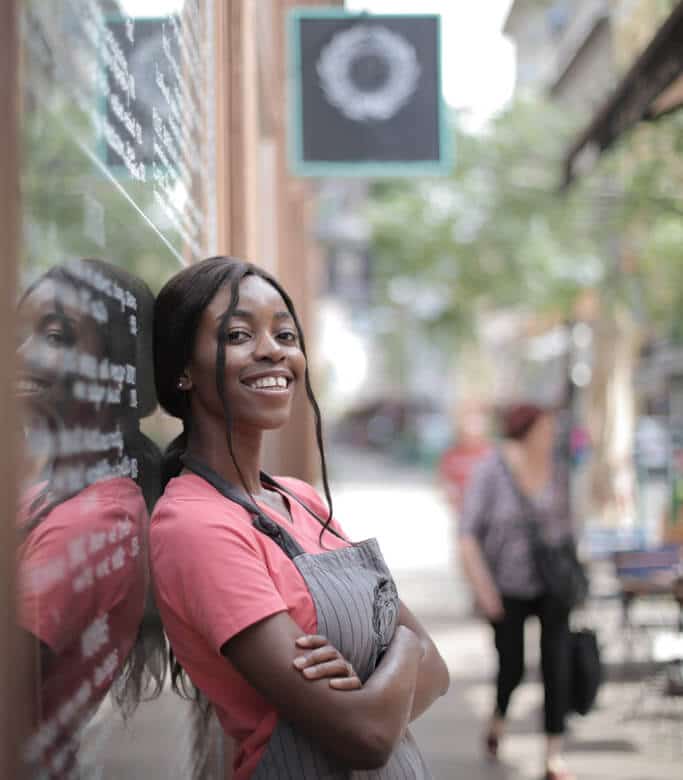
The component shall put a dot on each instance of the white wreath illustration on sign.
(338, 56)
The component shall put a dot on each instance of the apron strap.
(261, 522)
(268, 480)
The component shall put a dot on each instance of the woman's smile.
(272, 382)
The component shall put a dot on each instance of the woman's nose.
(268, 348)
(24, 351)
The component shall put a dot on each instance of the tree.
(497, 234)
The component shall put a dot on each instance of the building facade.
(147, 143)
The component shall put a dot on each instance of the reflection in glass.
(90, 479)
(118, 161)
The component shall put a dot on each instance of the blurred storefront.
(149, 142)
(612, 65)
(647, 38)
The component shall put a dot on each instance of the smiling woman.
(295, 635)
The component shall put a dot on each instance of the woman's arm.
(432, 676)
(360, 727)
(480, 578)
(477, 508)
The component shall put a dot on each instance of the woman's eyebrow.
(247, 315)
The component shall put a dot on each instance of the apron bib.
(357, 609)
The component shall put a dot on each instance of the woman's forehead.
(47, 295)
(254, 294)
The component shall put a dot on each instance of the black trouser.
(555, 651)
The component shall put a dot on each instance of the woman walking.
(295, 635)
(497, 557)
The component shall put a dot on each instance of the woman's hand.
(323, 661)
(483, 584)
(491, 605)
(360, 728)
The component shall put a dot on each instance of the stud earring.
(181, 384)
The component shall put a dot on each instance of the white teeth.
(268, 381)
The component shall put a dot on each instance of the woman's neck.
(209, 444)
(529, 458)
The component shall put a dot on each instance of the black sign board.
(365, 95)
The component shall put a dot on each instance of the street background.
(406, 510)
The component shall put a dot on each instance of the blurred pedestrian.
(458, 461)
(497, 558)
(295, 635)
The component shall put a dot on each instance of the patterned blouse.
(494, 514)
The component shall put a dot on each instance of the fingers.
(324, 661)
(339, 672)
(319, 656)
(311, 641)
(329, 669)
(346, 683)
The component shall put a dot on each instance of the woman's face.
(52, 331)
(263, 358)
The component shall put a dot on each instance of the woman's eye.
(55, 338)
(237, 336)
(289, 336)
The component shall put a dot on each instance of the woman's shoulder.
(100, 503)
(488, 466)
(190, 503)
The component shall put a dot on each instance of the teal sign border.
(366, 169)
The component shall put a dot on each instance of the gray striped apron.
(357, 609)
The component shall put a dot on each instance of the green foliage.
(498, 233)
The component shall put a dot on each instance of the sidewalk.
(405, 510)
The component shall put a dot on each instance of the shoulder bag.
(557, 565)
(586, 670)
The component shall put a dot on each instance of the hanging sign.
(365, 95)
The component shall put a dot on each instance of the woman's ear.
(184, 382)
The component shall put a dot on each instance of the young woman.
(294, 634)
(89, 477)
(496, 552)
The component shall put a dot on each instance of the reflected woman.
(90, 477)
(295, 634)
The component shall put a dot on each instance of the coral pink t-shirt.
(82, 581)
(215, 575)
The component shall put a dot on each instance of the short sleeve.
(211, 574)
(46, 604)
(75, 566)
(476, 505)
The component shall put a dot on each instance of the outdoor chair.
(651, 588)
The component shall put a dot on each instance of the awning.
(651, 88)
